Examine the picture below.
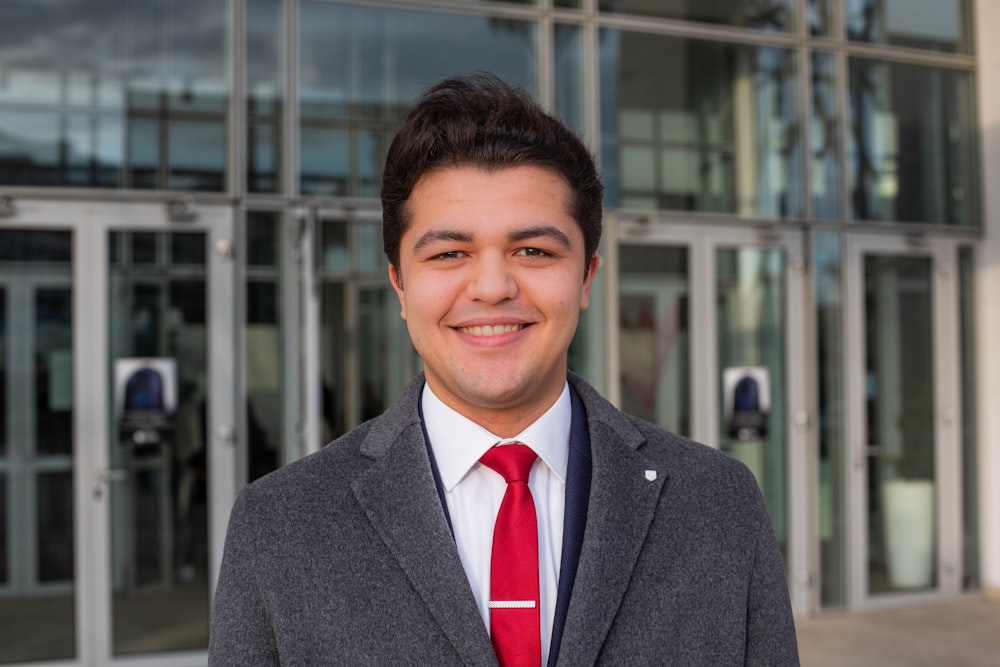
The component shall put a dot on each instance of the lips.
(490, 329)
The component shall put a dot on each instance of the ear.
(397, 284)
(588, 281)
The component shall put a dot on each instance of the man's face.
(491, 284)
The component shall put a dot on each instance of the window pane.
(197, 155)
(94, 86)
(938, 25)
(54, 536)
(53, 347)
(655, 337)
(362, 66)
(187, 248)
(262, 238)
(569, 76)
(899, 370)
(824, 124)
(828, 262)
(35, 246)
(912, 147)
(712, 128)
(777, 15)
(265, 28)
(820, 15)
(751, 305)
(159, 567)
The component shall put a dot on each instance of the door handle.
(105, 476)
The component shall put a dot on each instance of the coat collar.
(399, 497)
(625, 490)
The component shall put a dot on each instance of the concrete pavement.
(958, 633)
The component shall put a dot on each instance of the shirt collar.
(458, 442)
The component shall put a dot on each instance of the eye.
(533, 252)
(451, 254)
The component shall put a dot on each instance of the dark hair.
(481, 121)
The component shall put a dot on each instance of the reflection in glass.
(569, 75)
(899, 372)
(912, 151)
(264, 361)
(37, 580)
(53, 371)
(829, 299)
(159, 518)
(824, 138)
(776, 15)
(197, 150)
(92, 92)
(750, 298)
(655, 337)
(970, 457)
(820, 17)
(265, 30)
(713, 127)
(361, 67)
(937, 25)
(366, 357)
(54, 536)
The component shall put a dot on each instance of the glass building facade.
(798, 245)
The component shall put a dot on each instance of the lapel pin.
(651, 475)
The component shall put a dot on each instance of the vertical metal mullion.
(947, 410)
(704, 338)
(223, 364)
(291, 266)
(855, 455)
(611, 319)
(310, 368)
(801, 471)
(290, 120)
(90, 446)
(545, 57)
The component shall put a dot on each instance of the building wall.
(987, 303)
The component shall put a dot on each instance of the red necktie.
(514, 601)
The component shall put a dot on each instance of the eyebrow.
(537, 231)
(441, 235)
(542, 231)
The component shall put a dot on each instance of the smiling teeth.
(491, 330)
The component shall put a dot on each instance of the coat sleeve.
(241, 629)
(770, 632)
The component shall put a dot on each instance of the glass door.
(169, 469)
(363, 354)
(903, 418)
(158, 451)
(38, 592)
(711, 346)
(117, 450)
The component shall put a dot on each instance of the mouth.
(490, 329)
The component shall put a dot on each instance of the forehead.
(470, 195)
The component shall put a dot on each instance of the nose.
(491, 280)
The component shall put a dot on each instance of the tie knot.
(512, 461)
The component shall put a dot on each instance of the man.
(614, 542)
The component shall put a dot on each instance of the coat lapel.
(623, 500)
(398, 495)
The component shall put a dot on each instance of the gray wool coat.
(345, 557)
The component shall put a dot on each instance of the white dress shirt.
(473, 493)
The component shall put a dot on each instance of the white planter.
(909, 527)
